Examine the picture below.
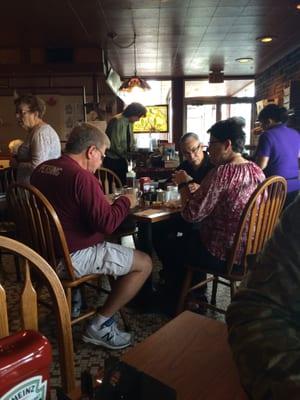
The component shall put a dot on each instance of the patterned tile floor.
(88, 356)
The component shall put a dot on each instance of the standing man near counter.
(119, 130)
(86, 216)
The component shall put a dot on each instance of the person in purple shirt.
(278, 148)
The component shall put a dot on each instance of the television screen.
(156, 120)
(113, 80)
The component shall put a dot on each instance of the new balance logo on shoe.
(108, 335)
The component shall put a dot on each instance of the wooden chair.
(111, 183)
(39, 227)
(7, 177)
(257, 222)
(29, 309)
(109, 180)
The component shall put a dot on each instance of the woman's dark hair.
(35, 104)
(239, 120)
(135, 110)
(232, 130)
(274, 112)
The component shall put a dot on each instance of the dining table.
(145, 217)
(191, 355)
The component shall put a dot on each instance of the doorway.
(202, 113)
(243, 110)
(199, 118)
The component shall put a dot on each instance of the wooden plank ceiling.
(173, 37)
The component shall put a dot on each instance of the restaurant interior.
(191, 63)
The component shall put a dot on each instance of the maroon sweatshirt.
(78, 198)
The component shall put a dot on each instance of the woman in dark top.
(278, 148)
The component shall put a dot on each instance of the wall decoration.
(68, 109)
(156, 120)
(73, 113)
(262, 103)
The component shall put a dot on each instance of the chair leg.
(233, 289)
(184, 291)
(135, 240)
(83, 292)
(214, 291)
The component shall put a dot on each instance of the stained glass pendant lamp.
(135, 81)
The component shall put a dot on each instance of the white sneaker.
(108, 335)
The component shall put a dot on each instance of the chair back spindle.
(109, 180)
(29, 307)
(38, 225)
(258, 219)
(4, 329)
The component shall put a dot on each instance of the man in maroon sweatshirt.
(86, 216)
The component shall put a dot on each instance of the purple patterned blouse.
(219, 203)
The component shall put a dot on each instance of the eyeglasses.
(192, 151)
(102, 155)
(22, 112)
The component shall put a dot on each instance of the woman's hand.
(193, 187)
(181, 177)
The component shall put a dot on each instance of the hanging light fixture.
(135, 81)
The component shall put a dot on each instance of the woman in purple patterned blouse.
(224, 192)
(217, 204)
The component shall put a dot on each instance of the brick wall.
(284, 73)
(270, 83)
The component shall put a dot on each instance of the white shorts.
(103, 258)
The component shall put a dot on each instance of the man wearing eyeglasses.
(86, 216)
(196, 163)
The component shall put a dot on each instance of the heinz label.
(30, 389)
